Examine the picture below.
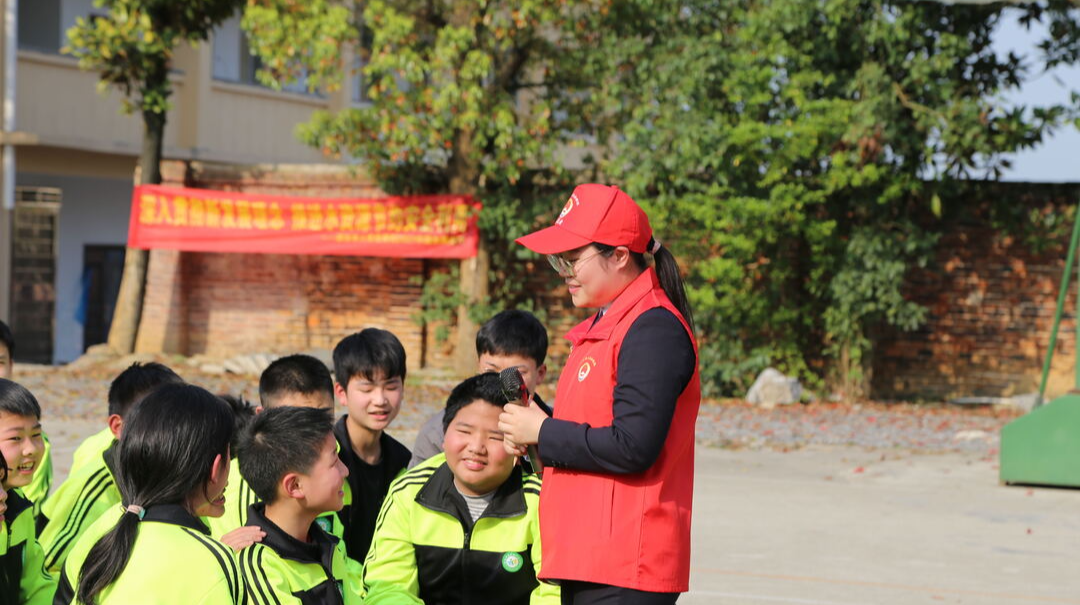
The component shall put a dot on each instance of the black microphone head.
(512, 384)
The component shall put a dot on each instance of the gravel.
(78, 392)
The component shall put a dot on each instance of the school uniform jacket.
(22, 570)
(427, 547)
(37, 491)
(77, 503)
(174, 561)
(605, 517)
(91, 449)
(281, 570)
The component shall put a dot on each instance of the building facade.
(75, 154)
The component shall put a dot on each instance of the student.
(295, 381)
(511, 339)
(7, 351)
(174, 456)
(37, 490)
(91, 489)
(370, 371)
(21, 440)
(289, 458)
(23, 579)
(461, 527)
(128, 387)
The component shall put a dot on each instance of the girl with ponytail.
(619, 451)
(173, 464)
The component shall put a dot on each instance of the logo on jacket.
(324, 523)
(586, 367)
(512, 561)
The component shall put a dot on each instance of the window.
(233, 61)
(43, 24)
(39, 25)
(361, 87)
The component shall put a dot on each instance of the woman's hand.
(243, 537)
(520, 426)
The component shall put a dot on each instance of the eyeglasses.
(566, 268)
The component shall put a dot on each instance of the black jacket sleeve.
(656, 363)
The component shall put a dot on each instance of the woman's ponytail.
(107, 559)
(667, 272)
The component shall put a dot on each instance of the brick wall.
(231, 304)
(991, 302)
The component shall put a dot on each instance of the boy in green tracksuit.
(22, 571)
(289, 458)
(91, 490)
(461, 527)
(37, 489)
(295, 381)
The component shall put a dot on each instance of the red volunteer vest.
(631, 531)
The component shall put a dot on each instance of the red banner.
(202, 220)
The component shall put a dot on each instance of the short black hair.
(367, 353)
(7, 338)
(280, 441)
(299, 373)
(486, 387)
(513, 332)
(136, 382)
(18, 400)
(243, 413)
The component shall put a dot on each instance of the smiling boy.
(21, 440)
(462, 526)
(370, 370)
(289, 458)
(22, 572)
(511, 339)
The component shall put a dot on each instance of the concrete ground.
(847, 526)
(852, 526)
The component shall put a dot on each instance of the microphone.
(513, 387)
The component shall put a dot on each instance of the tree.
(801, 153)
(472, 98)
(132, 48)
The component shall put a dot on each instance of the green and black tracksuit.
(174, 561)
(22, 571)
(37, 491)
(281, 570)
(77, 503)
(427, 547)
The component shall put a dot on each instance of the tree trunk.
(474, 285)
(129, 302)
(464, 179)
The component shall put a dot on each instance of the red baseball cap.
(594, 213)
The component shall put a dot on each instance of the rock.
(212, 368)
(1026, 402)
(970, 435)
(234, 367)
(773, 388)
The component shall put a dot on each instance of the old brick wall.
(224, 305)
(991, 300)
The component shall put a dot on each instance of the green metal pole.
(1061, 307)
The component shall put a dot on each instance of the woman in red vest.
(619, 451)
